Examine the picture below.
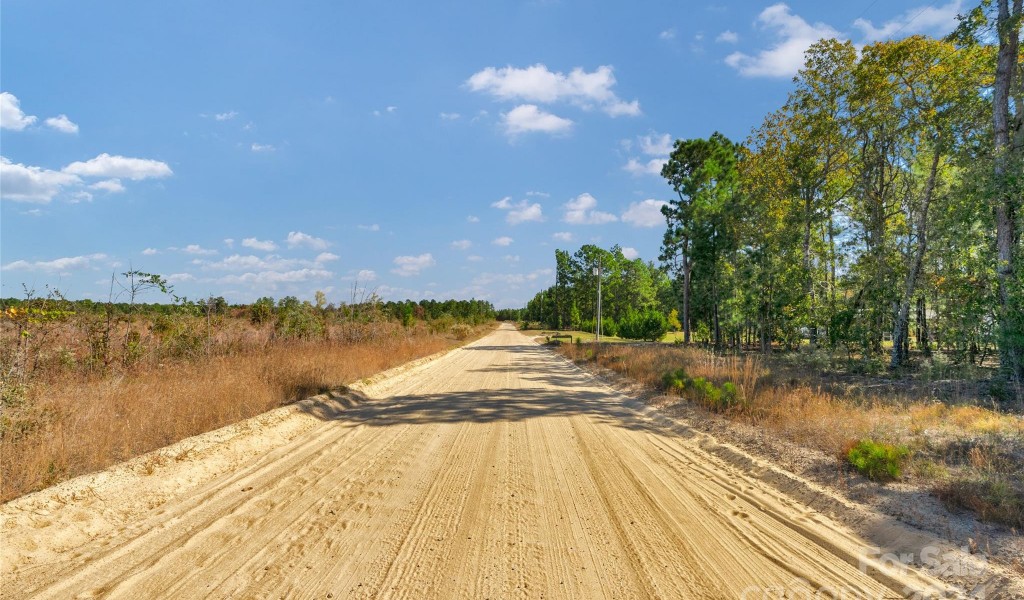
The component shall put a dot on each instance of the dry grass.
(69, 422)
(971, 456)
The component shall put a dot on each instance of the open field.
(66, 413)
(499, 470)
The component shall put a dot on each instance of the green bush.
(877, 461)
(648, 325)
(675, 380)
(298, 320)
(261, 311)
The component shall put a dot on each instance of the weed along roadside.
(952, 468)
(88, 385)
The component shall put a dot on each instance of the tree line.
(878, 209)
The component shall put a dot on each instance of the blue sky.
(416, 149)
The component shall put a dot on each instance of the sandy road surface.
(497, 471)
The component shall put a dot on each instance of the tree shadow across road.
(552, 388)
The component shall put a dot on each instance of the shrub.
(298, 320)
(261, 311)
(877, 461)
(648, 325)
(675, 380)
(992, 497)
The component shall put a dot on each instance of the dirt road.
(496, 471)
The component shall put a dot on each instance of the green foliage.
(298, 320)
(702, 391)
(877, 461)
(262, 311)
(650, 325)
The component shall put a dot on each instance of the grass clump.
(991, 497)
(701, 390)
(877, 461)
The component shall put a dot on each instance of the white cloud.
(326, 257)
(581, 210)
(297, 238)
(512, 258)
(728, 37)
(262, 147)
(229, 242)
(109, 166)
(80, 196)
(656, 144)
(527, 117)
(453, 116)
(373, 227)
(538, 84)
(519, 212)
(150, 251)
(541, 194)
(668, 34)
(366, 275)
(263, 245)
(62, 123)
(180, 277)
(225, 116)
(472, 219)
(503, 241)
(645, 214)
(929, 19)
(197, 250)
(474, 258)
(24, 183)
(630, 253)
(462, 244)
(786, 57)
(651, 167)
(111, 186)
(563, 236)
(11, 116)
(391, 109)
(269, 278)
(58, 265)
(407, 266)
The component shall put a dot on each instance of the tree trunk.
(901, 325)
(686, 300)
(1011, 340)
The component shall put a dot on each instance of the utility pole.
(597, 325)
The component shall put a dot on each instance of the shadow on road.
(550, 388)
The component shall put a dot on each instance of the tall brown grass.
(939, 434)
(72, 421)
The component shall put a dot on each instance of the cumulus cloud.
(645, 214)
(11, 115)
(197, 250)
(668, 34)
(326, 257)
(180, 277)
(658, 145)
(786, 57)
(650, 167)
(563, 236)
(728, 37)
(150, 252)
(111, 186)
(519, 212)
(270, 278)
(261, 147)
(407, 266)
(528, 117)
(472, 219)
(582, 210)
(538, 84)
(263, 245)
(630, 253)
(502, 241)
(297, 238)
(373, 227)
(62, 123)
(24, 183)
(225, 116)
(929, 19)
(462, 244)
(366, 275)
(57, 265)
(108, 166)
(452, 116)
